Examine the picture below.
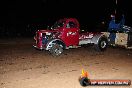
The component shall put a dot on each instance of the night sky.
(17, 14)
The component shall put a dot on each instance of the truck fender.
(97, 37)
(53, 41)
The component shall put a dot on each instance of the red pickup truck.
(65, 34)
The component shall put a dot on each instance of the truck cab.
(69, 31)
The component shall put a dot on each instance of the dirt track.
(22, 66)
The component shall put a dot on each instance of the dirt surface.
(22, 66)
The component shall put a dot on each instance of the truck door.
(72, 33)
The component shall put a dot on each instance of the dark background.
(19, 18)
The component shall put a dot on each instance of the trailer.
(119, 34)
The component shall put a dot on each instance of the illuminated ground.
(22, 66)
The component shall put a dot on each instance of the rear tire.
(102, 44)
(56, 49)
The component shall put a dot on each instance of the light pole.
(116, 7)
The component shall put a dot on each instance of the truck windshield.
(58, 24)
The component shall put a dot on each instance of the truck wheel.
(102, 44)
(56, 49)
